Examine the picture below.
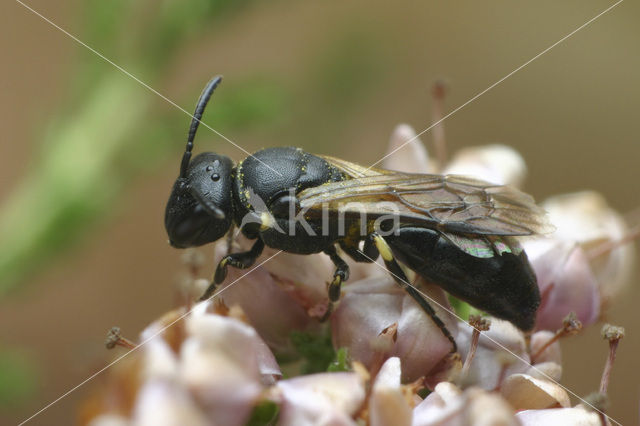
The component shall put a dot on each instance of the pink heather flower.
(215, 368)
(320, 399)
(388, 402)
(411, 157)
(569, 277)
(578, 415)
(447, 405)
(498, 164)
(567, 283)
(372, 306)
(276, 305)
(584, 218)
(523, 391)
(493, 363)
(209, 367)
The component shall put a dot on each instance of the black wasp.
(454, 231)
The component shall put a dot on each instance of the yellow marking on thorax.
(266, 221)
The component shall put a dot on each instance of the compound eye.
(215, 177)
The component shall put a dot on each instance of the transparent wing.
(449, 203)
(354, 170)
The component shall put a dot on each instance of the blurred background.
(89, 155)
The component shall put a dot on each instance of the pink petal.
(566, 282)
(270, 308)
(494, 163)
(551, 353)
(408, 157)
(224, 363)
(161, 403)
(447, 406)
(559, 416)
(387, 403)
(525, 392)
(370, 306)
(494, 361)
(586, 218)
(443, 406)
(321, 399)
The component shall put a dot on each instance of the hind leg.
(401, 279)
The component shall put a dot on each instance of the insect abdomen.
(502, 285)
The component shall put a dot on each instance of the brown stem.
(439, 142)
(479, 324)
(607, 247)
(115, 339)
(613, 334)
(193, 259)
(570, 326)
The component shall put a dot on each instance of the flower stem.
(570, 325)
(613, 334)
(114, 338)
(440, 145)
(479, 324)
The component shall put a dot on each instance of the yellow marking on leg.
(266, 221)
(383, 248)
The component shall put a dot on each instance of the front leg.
(341, 274)
(241, 260)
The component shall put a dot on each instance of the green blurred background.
(89, 155)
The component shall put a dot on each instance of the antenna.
(195, 121)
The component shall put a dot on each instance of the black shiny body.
(503, 285)
(259, 195)
(273, 174)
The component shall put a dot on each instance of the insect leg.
(341, 275)
(399, 276)
(230, 237)
(368, 254)
(241, 260)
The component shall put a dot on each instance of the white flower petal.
(271, 309)
(494, 163)
(586, 218)
(373, 305)
(492, 362)
(546, 371)
(162, 403)
(551, 353)
(488, 409)
(567, 283)
(320, 399)
(408, 157)
(387, 403)
(109, 420)
(525, 392)
(447, 406)
(559, 416)
(160, 361)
